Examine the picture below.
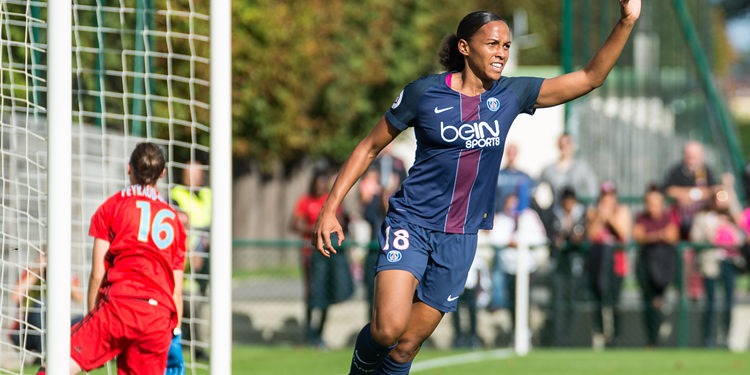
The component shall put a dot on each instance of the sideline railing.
(683, 320)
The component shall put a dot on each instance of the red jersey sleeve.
(101, 222)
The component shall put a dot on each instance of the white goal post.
(59, 163)
(81, 82)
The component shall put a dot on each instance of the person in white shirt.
(512, 229)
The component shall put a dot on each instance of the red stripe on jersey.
(468, 167)
(466, 173)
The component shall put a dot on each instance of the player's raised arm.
(564, 88)
(356, 165)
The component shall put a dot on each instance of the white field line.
(461, 359)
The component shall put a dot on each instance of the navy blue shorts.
(440, 261)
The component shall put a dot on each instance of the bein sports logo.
(393, 256)
(477, 134)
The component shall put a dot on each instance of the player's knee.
(387, 334)
(405, 351)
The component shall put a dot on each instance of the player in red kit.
(135, 289)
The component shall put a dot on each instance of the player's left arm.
(564, 88)
(178, 268)
(98, 270)
(177, 295)
(175, 360)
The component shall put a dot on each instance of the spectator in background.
(381, 180)
(511, 180)
(326, 281)
(690, 184)
(568, 235)
(511, 229)
(608, 227)
(715, 225)
(656, 231)
(569, 171)
(192, 199)
(27, 331)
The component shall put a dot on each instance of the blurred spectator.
(377, 185)
(690, 184)
(714, 225)
(475, 297)
(512, 180)
(512, 229)
(326, 281)
(27, 331)
(742, 217)
(656, 231)
(568, 234)
(608, 227)
(569, 171)
(192, 199)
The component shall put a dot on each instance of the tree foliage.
(735, 8)
(311, 78)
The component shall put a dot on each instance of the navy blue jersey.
(460, 141)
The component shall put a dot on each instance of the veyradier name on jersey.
(140, 191)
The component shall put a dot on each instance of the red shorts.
(134, 330)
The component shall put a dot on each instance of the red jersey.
(308, 207)
(147, 242)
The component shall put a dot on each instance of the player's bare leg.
(424, 319)
(408, 325)
(394, 295)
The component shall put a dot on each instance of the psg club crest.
(493, 104)
(393, 256)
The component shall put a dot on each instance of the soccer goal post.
(81, 83)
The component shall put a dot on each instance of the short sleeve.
(404, 108)
(526, 90)
(101, 222)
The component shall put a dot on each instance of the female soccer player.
(135, 288)
(460, 118)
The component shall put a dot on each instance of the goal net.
(140, 72)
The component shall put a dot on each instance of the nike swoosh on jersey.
(451, 298)
(441, 110)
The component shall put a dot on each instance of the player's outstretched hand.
(630, 9)
(175, 360)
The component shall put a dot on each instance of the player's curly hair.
(147, 163)
(449, 55)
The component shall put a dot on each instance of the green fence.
(279, 282)
(662, 93)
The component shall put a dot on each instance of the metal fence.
(269, 304)
(662, 93)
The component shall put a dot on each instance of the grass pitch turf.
(272, 361)
(257, 360)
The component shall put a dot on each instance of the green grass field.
(256, 360)
(273, 361)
